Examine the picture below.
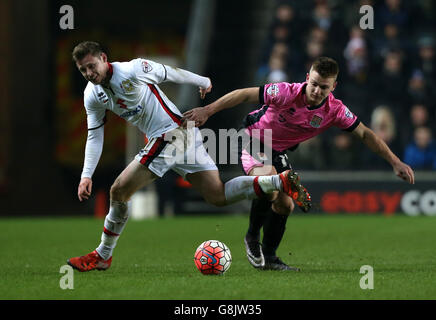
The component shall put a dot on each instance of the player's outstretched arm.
(231, 99)
(178, 75)
(378, 146)
(93, 150)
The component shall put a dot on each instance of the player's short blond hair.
(84, 48)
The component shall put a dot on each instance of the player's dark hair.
(84, 48)
(326, 67)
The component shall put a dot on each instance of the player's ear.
(307, 76)
(334, 85)
(103, 56)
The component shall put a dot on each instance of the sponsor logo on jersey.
(146, 67)
(273, 90)
(316, 121)
(127, 86)
(131, 113)
(348, 113)
(102, 97)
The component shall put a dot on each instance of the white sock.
(250, 187)
(114, 224)
(270, 183)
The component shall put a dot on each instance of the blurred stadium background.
(388, 78)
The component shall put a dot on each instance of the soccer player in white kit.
(129, 89)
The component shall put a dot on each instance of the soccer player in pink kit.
(293, 112)
(130, 90)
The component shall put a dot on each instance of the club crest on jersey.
(273, 90)
(146, 67)
(127, 86)
(316, 121)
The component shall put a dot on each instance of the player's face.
(93, 68)
(318, 88)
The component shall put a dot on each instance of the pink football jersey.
(292, 120)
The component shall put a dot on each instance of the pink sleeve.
(345, 119)
(279, 94)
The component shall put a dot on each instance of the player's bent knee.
(284, 206)
(215, 197)
(119, 192)
(218, 201)
(272, 196)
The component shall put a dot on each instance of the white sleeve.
(96, 114)
(183, 76)
(93, 150)
(148, 71)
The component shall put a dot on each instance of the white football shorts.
(180, 150)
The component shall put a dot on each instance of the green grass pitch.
(154, 259)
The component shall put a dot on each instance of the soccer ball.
(212, 257)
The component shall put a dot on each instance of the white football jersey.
(133, 95)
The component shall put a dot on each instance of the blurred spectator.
(310, 154)
(279, 34)
(318, 34)
(356, 56)
(277, 71)
(426, 60)
(393, 12)
(418, 90)
(286, 14)
(390, 83)
(421, 152)
(355, 81)
(383, 123)
(276, 65)
(342, 152)
(323, 17)
(390, 39)
(286, 27)
(312, 50)
(417, 116)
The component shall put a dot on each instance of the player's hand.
(197, 115)
(204, 91)
(405, 172)
(85, 189)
